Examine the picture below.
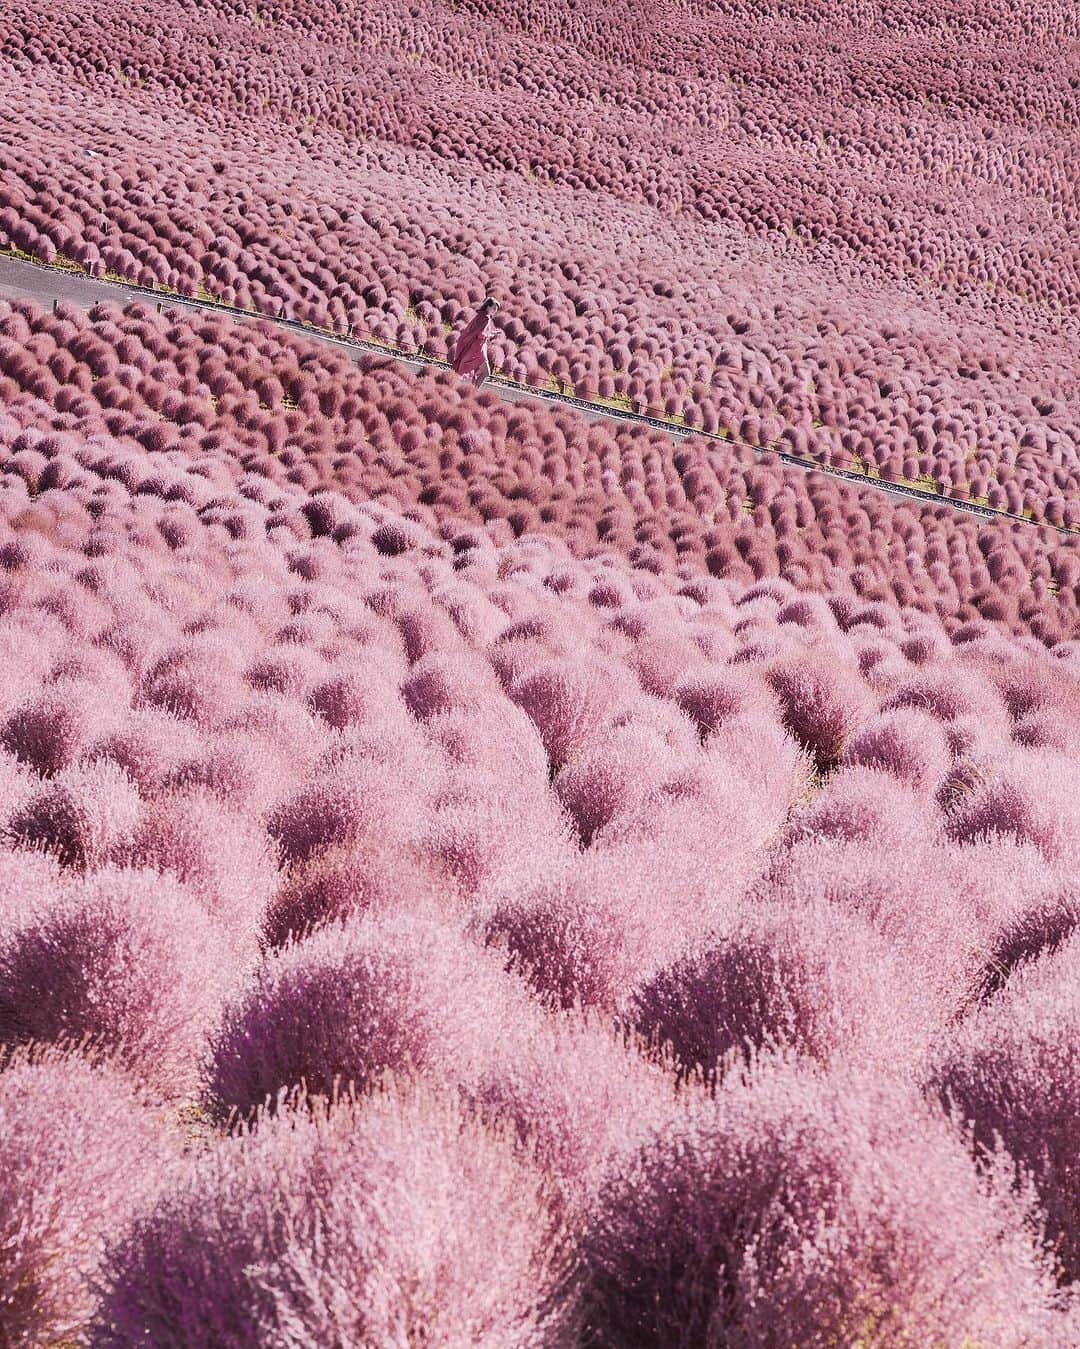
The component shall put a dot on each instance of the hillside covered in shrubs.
(474, 876)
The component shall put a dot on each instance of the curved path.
(24, 278)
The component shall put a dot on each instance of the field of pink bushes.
(851, 232)
(474, 876)
(294, 413)
(423, 925)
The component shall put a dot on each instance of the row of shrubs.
(730, 249)
(294, 413)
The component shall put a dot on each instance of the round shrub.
(350, 1002)
(391, 1220)
(907, 743)
(813, 1210)
(811, 978)
(84, 816)
(1011, 1077)
(125, 960)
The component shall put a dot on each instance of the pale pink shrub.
(1034, 797)
(567, 702)
(350, 1001)
(712, 696)
(356, 799)
(244, 772)
(198, 681)
(805, 1209)
(483, 826)
(125, 960)
(497, 738)
(1039, 927)
(908, 743)
(78, 1152)
(613, 771)
(85, 816)
(590, 931)
(1011, 1077)
(867, 805)
(336, 883)
(811, 977)
(824, 703)
(912, 896)
(222, 857)
(449, 681)
(148, 746)
(50, 730)
(576, 1093)
(390, 1220)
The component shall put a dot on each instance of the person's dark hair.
(489, 306)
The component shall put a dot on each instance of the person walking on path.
(470, 358)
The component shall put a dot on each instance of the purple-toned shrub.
(599, 925)
(224, 859)
(865, 805)
(359, 798)
(84, 816)
(1035, 932)
(335, 883)
(713, 696)
(567, 702)
(394, 1219)
(811, 978)
(1011, 1077)
(824, 703)
(577, 1094)
(907, 743)
(147, 746)
(49, 731)
(78, 1152)
(806, 1209)
(123, 959)
(609, 775)
(1034, 797)
(352, 1001)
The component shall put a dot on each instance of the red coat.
(470, 350)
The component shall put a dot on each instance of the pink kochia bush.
(1011, 1077)
(78, 1152)
(353, 721)
(395, 1219)
(810, 978)
(813, 1210)
(352, 1001)
(125, 960)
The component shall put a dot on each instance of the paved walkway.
(45, 285)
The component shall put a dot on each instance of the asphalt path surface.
(46, 285)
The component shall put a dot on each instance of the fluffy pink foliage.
(1033, 797)
(125, 960)
(352, 1001)
(813, 1210)
(78, 1152)
(224, 859)
(588, 934)
(577, 1095)
(336, 883)
(907, 743)
(823, 703)
(811, 978)
(567, 702)
(385, 1221)
(85, 816)
(1011, 1077)
(865, 805)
